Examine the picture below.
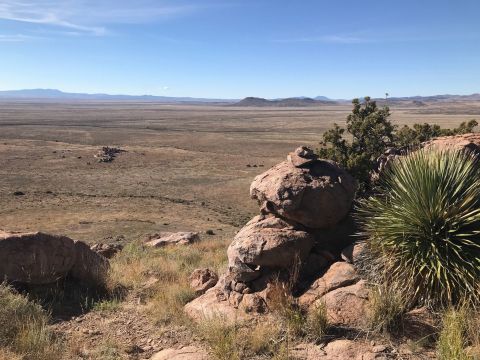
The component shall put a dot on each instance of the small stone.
(379, 349)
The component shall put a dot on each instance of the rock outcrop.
(469, 142)
(302, 230)
(38, 258)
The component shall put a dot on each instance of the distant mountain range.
(299, 101)
(53, 94)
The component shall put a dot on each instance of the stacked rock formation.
(304, 204)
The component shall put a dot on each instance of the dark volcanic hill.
(288, 102)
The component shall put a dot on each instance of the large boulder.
(267, 241)
(35, 258)
(313, 192)
(38, 258)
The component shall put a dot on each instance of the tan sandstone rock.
(35, 258)
(315, 193)
(341, 349)
(347, 306)
(184, 353)
(170, 238)
(469, 142)
(267, 241)
(340, 274)
(202, 279)
(215, 304)
(38, 258)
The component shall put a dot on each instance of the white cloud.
(89, 16)
(332, 39)
(15, 38)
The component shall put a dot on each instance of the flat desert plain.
(185, 167)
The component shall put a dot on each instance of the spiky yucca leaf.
(423, 230)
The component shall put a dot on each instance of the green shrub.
(370, 133)
(424, 228)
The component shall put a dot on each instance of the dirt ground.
(185, 167)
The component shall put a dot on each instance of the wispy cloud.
(328, 39)
(16, 38)
(89, 17)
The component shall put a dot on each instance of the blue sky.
(238, 48)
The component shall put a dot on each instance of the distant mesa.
(288, 102)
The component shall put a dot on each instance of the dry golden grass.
(387, 307)
(241, 341)
(24, 330)
(161, 276)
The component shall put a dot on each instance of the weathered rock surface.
(318, 194)
(178, 238)
(470, 142)
(339, 274)
(352, 253)
(38, 258)
(89, 267)
(267, 241)
(215, 304)
(347, 306)
(35, 258)
(341, 349)
(107, 250)
(315, 193)
(202, 279)
(184, 353)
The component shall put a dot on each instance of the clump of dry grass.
(23, 329)
(160, 276)
(299, 323)
(452, 340)
(237, 341)
(387, 308)
(459, 337)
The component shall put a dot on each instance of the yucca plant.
(423, 228)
